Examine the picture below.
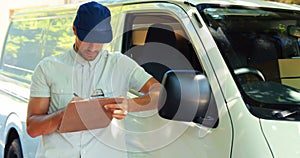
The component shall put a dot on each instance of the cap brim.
(94, 36)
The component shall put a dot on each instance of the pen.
(75, 95)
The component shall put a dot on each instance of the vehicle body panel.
(239, 133)
(283, 137)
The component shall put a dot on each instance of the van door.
(175, 46)
(21, 53)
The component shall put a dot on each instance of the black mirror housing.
(186, 96)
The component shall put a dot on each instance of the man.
(85, 70)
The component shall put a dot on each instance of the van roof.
(251, 3)
(66, 9)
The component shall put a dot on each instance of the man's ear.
(74, 30)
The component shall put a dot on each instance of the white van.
(230, 71)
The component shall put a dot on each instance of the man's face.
(88, 51)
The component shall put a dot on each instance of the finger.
(118, 117)
(119, 114)
(112, 106)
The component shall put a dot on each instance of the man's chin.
(90, 58)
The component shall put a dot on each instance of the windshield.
(261, 48)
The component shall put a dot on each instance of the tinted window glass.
(59, 36)
(261, 47)
(158, 42)
(23, 49)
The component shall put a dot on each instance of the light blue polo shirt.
(58, 77)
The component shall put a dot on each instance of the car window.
(23, 48)
(59, 36)
(158, 42)
(261, 48)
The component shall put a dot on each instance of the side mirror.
(186, 96)
(294, 31)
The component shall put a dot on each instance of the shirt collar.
(82, 61)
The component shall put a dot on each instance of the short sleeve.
(138, 78)
(124, 73)
(39, 86)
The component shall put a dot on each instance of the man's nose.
(92, 47)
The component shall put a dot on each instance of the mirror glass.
(294, 31)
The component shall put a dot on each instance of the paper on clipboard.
(86, 115)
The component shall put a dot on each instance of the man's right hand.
(39, 122)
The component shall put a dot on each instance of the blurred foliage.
(32, 40)
(288, 1)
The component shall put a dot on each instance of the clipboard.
(86, 115)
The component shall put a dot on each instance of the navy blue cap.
(92, 23)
